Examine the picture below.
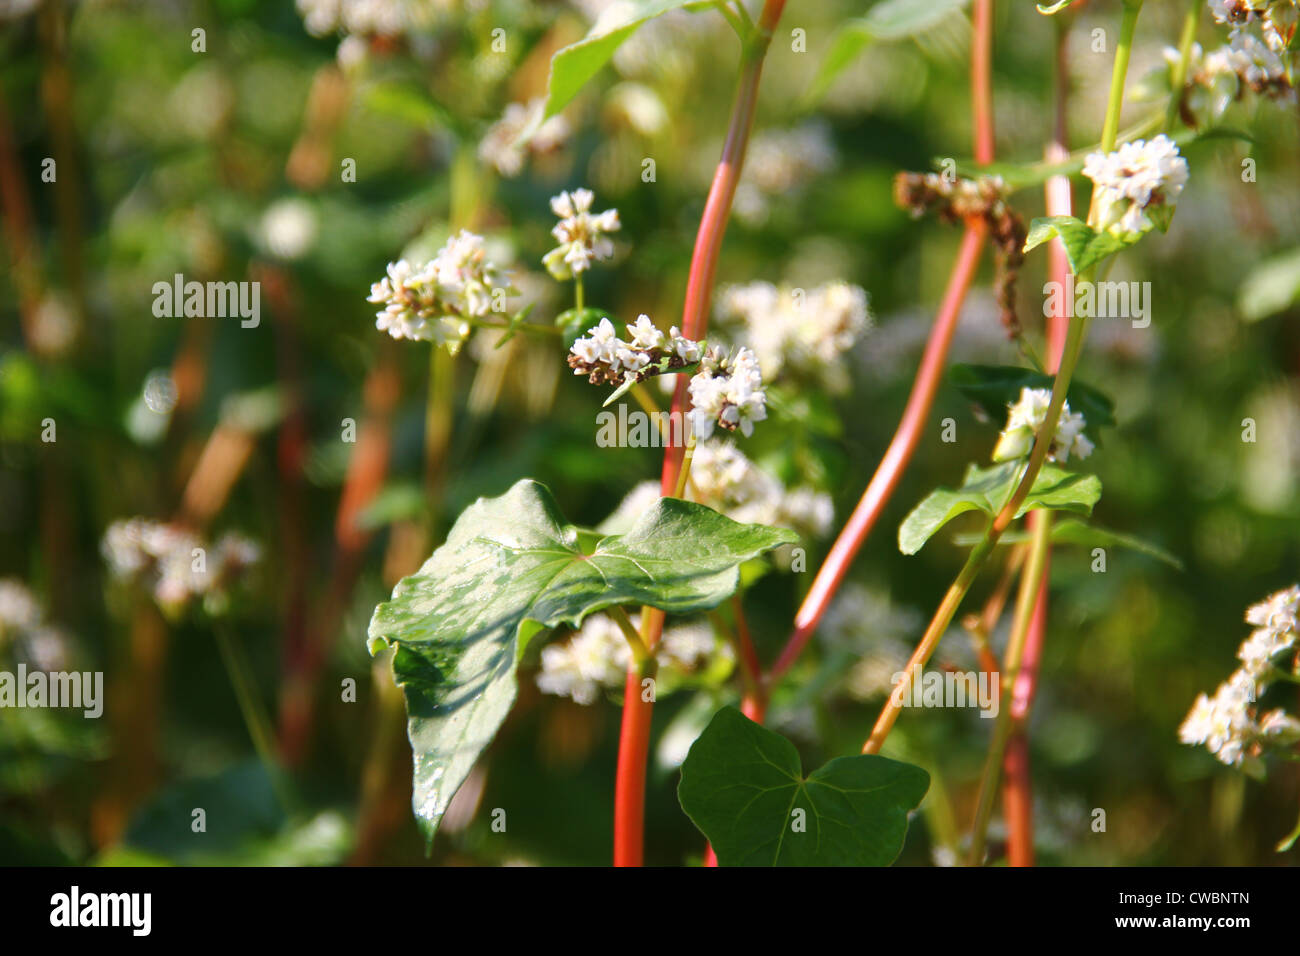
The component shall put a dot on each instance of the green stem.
(1128, 24)
(1042, 441)
(1030, 582)
(255, 719)
(437, 424)
(577, 291)
(1178, 72)
(640, 653)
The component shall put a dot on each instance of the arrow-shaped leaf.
(744, 787)
(988, 489)
(511, 567)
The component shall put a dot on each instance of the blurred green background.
(228, 164)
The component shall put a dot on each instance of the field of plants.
(649, 432)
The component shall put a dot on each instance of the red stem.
(634, 736)
(897, 456)
(900, 450)
(981, 76)
(1017, 790)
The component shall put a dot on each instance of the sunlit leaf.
(988, 489)
(511, 567)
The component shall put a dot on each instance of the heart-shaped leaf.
(1084, 246)
(988, 489)
(511, 567)
(744, 787)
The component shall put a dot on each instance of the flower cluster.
(176, 563)
(1215, 79)
(583, 237)
(723, 478)
(596, 657)
(436, 301)
(606, 359)
(1137, 185)
(519, 133)
(780, 162)
(24, 629)
(1027, 415)
(955, 199)
(804, 332)
(1227, 723)
(727, 391)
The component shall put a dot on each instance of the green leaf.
(889, 20)
(661, 367)
(1270, 287)
(1084, 246)
(574, 65)
(743, 786)
(988, 489)
(511, 567)
(1072, 531)
(994, 387)
(574, 323)
(1060, 5)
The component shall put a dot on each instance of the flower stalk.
(634, 735)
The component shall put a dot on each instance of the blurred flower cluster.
(177, 565)
(437, 301)
(800, 332)
(1227, 723)
(596, 657)
(1027, 415)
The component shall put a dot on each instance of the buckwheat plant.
(654, 600)
(1231, 724)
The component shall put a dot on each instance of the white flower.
(605, 358)
(434, 302)
(688, 350)
(19, 611)
(644, 333)
(1278, 612)
(1135, 182)
(582, 236)
(595, 659)
(727, 392)
(508, 142)
(1027, 415)
(805, 331)
(176, 563)
(1278, 723)
(723, 478)
(1235, 12)
(1223, 722)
